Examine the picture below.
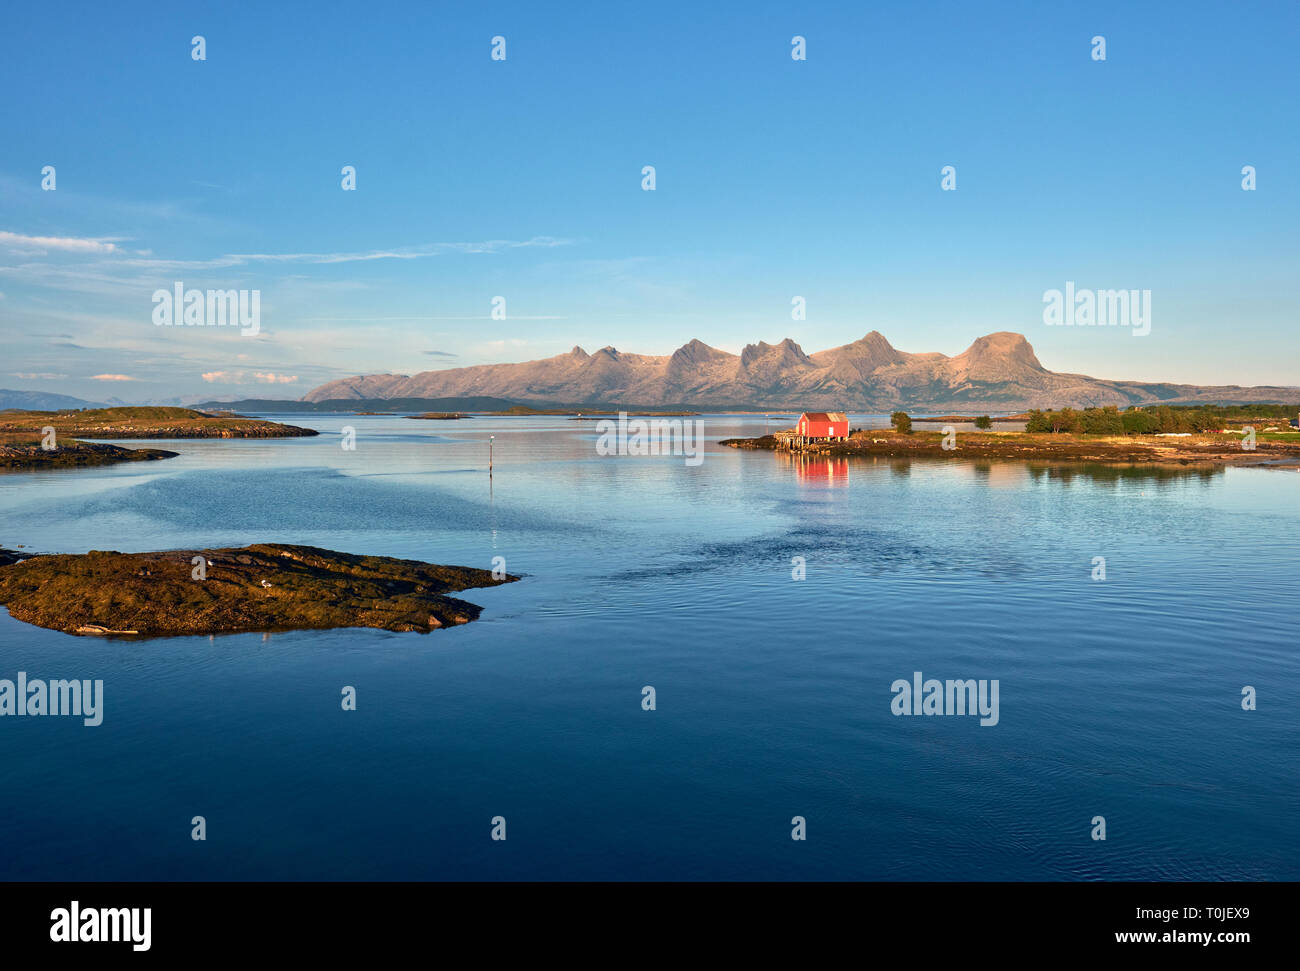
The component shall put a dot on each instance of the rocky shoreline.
(25, 435)
(144, 423)
(264, 587)
(1194, 450)
(73, 454)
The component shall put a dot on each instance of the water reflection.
(1005, 474)
(1102, 474)
(818, 469)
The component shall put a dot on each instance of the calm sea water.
(1119, 698)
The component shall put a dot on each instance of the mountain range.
(42, 401)
(999, 371)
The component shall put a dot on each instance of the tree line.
(1109, 420)
(1147, 421)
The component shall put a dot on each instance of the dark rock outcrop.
(265, 587)
(73, 454)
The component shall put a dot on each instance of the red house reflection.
(819, 469)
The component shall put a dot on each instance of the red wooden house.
(822, 426)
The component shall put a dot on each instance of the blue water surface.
(1118, 698)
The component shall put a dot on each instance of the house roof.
(824, 416)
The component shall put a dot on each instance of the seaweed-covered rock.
(70, 454)
(264, 587)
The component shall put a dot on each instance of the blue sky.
(522, 178)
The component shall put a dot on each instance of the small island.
(581, 414)
(34, 440)
(441, 416)
(598, 415)
(1194, 449)
(21, 453)
(144, 423)
(1162, 435)
(264, 587)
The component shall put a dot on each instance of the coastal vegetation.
(1160, 434)
(1210, 449)
(1161, 419)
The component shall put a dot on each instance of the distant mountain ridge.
(286, 406)
(42, 401)
(998, 371)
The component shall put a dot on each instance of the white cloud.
(111, 377)
(401, 253)
(242, 377)
(67, 244)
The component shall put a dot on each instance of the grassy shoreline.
(127, 423)
(1208, 449)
